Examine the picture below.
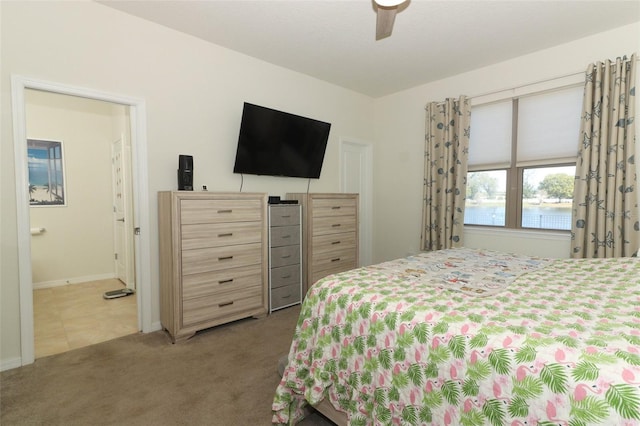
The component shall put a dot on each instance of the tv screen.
(277, 143)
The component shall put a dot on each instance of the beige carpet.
(226, 375)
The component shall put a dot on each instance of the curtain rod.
(493, 92)
(533, 83)
(573, 74)
(512, 88)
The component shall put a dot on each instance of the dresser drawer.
(285, 236)
(217, 211)
(219, 282)
(285, 275)
(217, 258)
(323, 260)
(214, 307)
(331, 242)
(285, 255)
(284, 215)
(220, 234)
(333, 225)
(344, 264)
(285, 296)
(323, 207)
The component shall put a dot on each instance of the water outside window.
(486, 198)
(546, 198)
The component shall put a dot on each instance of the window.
(547, 193)
(486, 198)
(522, 156)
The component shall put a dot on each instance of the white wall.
(194, 92)
(78, 244)
(399, 121)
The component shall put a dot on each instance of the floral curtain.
(445, 173)
(605, 202)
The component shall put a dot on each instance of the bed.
(469, 337)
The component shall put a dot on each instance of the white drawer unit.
(330, 234)
(213, 259)
(285, 256)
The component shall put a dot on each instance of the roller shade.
(490, 141)
(549, 127)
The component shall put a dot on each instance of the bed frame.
(327, 410)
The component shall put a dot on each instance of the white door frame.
(365, 149)
(138, 124)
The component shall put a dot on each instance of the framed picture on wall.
(46, 173)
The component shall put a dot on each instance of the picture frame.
(47, 185)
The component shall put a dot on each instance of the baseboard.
(10, 364)
(76, 280)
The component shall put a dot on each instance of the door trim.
(366, 197)
(138, 117)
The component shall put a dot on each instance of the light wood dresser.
(213, 259)
(329, 234)
(285, 256)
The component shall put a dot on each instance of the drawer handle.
(286, 236)
(286, 215)
(284, 277)
(286, 256)
(230, 280)
(222, 305)
(287, 296)
(225, 211)
(335, 225)
(225, 258)
(336, 259)
(228, 234)
(335, 242)
(335, 208)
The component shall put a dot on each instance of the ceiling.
(335, 40)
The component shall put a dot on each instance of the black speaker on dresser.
(185, 173)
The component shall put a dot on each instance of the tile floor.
(76, 315)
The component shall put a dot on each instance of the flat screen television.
(276, 143)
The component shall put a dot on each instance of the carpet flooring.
(226, 375)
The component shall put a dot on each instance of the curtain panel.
(445, 173)
(605, 202)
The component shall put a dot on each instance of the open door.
(123, 212)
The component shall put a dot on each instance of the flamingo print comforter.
(560, 344)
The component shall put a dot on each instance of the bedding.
(470, 337)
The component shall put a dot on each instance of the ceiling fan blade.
(384, 21)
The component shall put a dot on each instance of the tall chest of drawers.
(213, 259)
(285, 255)
(330, 234)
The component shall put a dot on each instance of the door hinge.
(136, 231)
(115, 255)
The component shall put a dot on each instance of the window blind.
(490, 139)
(549, 127)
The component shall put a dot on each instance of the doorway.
(356, 176)
(136, 122)
(80, 250)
